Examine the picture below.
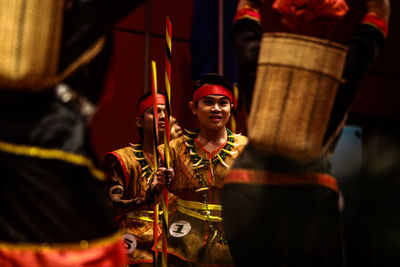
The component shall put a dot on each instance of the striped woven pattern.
(296, 83)
(30, 33)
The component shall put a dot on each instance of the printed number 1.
(179, 229)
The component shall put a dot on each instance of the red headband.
(211, 89)
(148, 102)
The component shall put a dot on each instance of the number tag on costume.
(130, 242)
(180, 228)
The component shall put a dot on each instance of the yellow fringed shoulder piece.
(232, 144)
(197, 163)
(145, 167)
(134, 145)
(229, 152)
(187, 137)
(189, 132)
(188, 145)
(222, 161)
(198, 167)
(202, 189)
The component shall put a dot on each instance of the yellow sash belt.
(199, 210)
(144, 215)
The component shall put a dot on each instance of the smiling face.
(212, 111)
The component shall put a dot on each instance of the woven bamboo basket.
(296, 83)
(30, 32)
(30, 44)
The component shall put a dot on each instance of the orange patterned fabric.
(247, 12)
(105, 254)
(376, 21)
(253, 176)
(311, 9)
(299, 14)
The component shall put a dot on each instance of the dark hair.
(212, 78)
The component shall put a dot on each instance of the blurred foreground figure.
(54, 209)
(280, 203)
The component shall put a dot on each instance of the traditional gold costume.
(134, 170)
(195, 231)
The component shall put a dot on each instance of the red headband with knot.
(212, 89)
(148, 102)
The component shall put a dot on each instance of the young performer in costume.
(289, 211)
(201, 160)
(133, 189)
(54, 210)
